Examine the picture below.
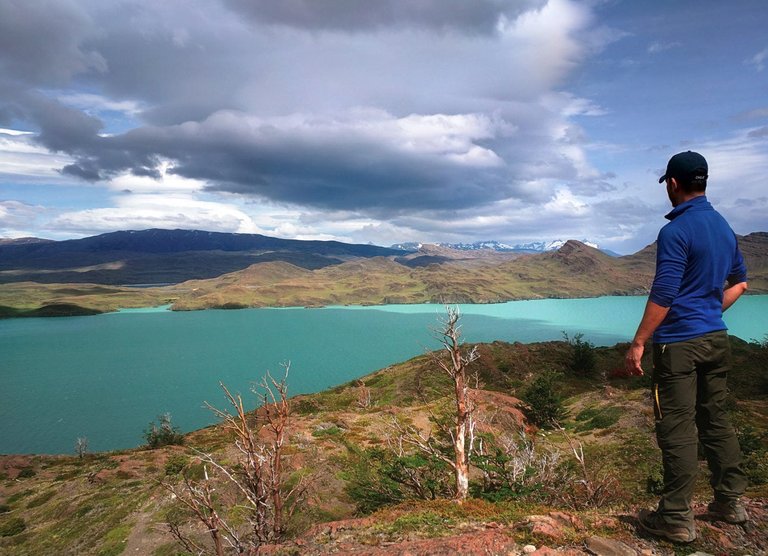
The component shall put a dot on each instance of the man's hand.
(633, 358)
(653, 316)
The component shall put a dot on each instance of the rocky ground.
(555, 532)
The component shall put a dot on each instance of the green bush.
(754, 446)
(512, 470)
(542, 398)
(19, 495)
(164, 433)
(4, 508)
(12, 526)
(597, 418)
(176, 464)
(328, 432)
(377, 478)
(654, 482)
(41, 499)
(26, 473)
(583, 359)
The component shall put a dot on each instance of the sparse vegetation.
(754, 447)
(263, 493)
(176, 464)
(12, 526)
(544, 404)
(582, 362)
(26, 473)
(164, 433)
(593, 418)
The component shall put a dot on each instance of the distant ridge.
(176, 241)
(23, 240)
(165, 256)
(493, 245)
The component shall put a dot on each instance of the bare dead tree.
(455, 367)
(258, 475)
(81, 446)
(596, 489)
(453, 360)
(277, 411)
(363, 395)
(198, 498)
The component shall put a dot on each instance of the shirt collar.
(699, 201)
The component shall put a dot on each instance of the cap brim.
(662, 178)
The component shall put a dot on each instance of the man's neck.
(685, 197)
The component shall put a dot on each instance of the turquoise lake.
(106, 377)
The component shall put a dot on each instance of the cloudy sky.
(382, 122)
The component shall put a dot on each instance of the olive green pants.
(689, 391)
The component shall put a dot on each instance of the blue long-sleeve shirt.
(697, 253)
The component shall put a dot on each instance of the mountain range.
(154, 257)
(493, 245)
(197, 270)
(163, 256)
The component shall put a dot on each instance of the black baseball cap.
(687, 166)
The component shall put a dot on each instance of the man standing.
(699, 274)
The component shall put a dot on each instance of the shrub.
(331, 431)
(514, 467)
(598, 418)
(41, 499)
(176, 464)
(164, 433)
(12, 526)
(754, 446)
(544, 403)
(26, 473)
(377, 477)
(4, 508)
(583, 359)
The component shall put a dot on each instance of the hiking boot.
(731, 511)
(653, 523)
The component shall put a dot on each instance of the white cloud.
(17, 219)
(94, 104)
(138, 212)
(657, 47)
(451, 136)
(569, 105)
(759, 59)
(22, 159)
(14, 132)
(168, 182)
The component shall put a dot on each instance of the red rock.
(567, 519)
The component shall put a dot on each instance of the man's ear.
(673, 184)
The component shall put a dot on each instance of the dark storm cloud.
(336, 166)
(61, 128)
(41, 41)
(280, 106)
(478, 16)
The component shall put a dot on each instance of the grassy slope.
(34, 299)
(106, 503)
